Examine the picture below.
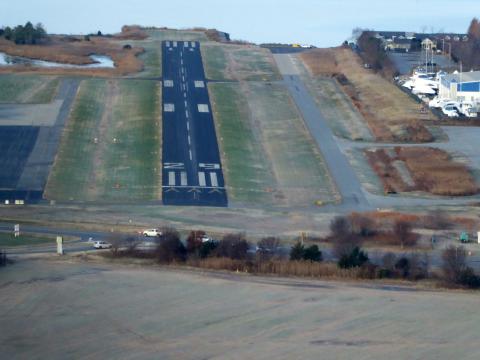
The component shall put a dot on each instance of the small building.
(398, 44)
(461, 87)
(429, 44)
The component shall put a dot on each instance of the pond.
(100, 61)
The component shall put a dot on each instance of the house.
(461, 87)
(429, 44)
(398, 44)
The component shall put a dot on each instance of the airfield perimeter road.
(192, 171)
(342, 173)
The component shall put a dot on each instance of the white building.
(461, 87)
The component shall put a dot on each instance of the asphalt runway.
(16, 144)
(27, 153)
(192, 171)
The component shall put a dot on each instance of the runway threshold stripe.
(201, 178)
(183, 178)
(171, 178)
(213, 179)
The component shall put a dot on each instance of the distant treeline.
(24, 34)
(468, 52)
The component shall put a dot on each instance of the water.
(100, 61)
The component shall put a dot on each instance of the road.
(192, 170)
(340, 169)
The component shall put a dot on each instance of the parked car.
(101, 245)
(205, 239)
(450, 111)
(152, 232)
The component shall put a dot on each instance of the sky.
(321, 23)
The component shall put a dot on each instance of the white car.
(205, 239)
(152, 232)
(101, 245)
(450, 111)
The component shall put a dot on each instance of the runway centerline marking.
(190, 153)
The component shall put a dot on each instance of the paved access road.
(342, 173)
(192, 171)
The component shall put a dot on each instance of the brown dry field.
(432, 170)
(390, 113)
(64, 50)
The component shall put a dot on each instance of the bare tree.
(403, 231)
(267, 247)
(233, 246)
(454, 263)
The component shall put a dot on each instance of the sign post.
(16, 230)
(59, 245)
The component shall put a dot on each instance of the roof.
(402, 41)
(465, 77)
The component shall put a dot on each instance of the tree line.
(27, 34)
(468, 52)
(347, 235)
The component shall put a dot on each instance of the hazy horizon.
(303, 21)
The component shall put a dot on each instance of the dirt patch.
(421, 169)
(391, 114)
(132, 32)
(76, 51)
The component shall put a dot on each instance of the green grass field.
(124, 163)
(300, 171)
(342, 116)
(8, 240)
(236, 62)
(70, 176)
(269, 157)
(245, 168)
(131, 168)
(27, 89)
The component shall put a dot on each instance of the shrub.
(169, 247)
(297, 251)
(356, 258)
(312, 253)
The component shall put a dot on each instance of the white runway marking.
(173, 165)
(203, 108)
(169, 107)
(183, 78)
(171, 178)
(199, 84)
(189, 142)
(185, 103)
(167, 43)
(186, 114)
(193, 44)
(181, 61)
(209, 166)
(185, 95)
(201, 178)
(213, 179)
(174, 44)
(183, 178)
(168, 83)
(183, 70)
(190, 153)
(188, 126)
(185, 43)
